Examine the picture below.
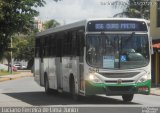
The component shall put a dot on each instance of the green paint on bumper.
(115, 89)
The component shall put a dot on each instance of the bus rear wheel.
(47, 89)
(127, 97)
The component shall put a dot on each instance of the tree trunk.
(8, 60)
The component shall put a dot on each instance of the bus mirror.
(152, 52)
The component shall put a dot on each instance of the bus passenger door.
(80, 44)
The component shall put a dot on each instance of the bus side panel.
(52, 74)
(67, 70)
(70, 66)
(59, 76)
(37, 70)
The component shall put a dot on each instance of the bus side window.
(80, 42)
(65, 44)
(56, 45)
(53, 46)
(37, 47)
(62, 38)
(46, 44)
(59, 45)
(50, 46)
(69, 41)
(74, 44)
(42, 48)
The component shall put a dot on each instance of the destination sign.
(116, 26)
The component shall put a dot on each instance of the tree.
(24, 47)
(16, 16)
(50, 23)
(134, 9)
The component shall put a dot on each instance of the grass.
(2, 73)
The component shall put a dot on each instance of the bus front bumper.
(117, 89)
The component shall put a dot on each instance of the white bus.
(109, 56)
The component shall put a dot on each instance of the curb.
(155, 94)
(13, 78)
(4, 79)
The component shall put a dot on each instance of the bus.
(110, 56)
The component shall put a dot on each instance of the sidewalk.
(15, 76)
(155, 91)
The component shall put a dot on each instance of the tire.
(127, 97)
(47, 89)
(73, 90)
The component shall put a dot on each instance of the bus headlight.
(93, 78)
(142, 79)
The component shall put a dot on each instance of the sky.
(69, 11)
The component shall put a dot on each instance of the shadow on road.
(40, 98)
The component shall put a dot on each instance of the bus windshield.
(117, 51)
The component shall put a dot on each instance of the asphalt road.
(24, 92)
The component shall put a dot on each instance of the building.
(155, 34)
(38, 24)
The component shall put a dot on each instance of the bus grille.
(119, 88)
(123, 81)
(120, 75)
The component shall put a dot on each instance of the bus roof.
(82, 23)
(61, 28)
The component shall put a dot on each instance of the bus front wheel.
(127, 97)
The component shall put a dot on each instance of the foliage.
(134, 9)
(50, 23)
(16, 16)
(24, 47)
(4, 44)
